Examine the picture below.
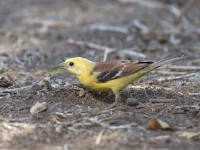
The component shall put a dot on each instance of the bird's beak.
(62, 65)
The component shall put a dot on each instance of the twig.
(124, 52)
(144, 87)
(31, 88)
(122, 126)
(165, 72)
(90, 45)
(167, 79)
(143, 28)
(99, 137)
(3, 94)
(175, 10)
(161, 100)
(106, 50)
(146, 3)
(184, 10)
(184, 68)
(105, 55)
(194, 94)
(15, 90)
(18, 125)
(82, 124)
(49, 23)
(102, 27)
(188, 106)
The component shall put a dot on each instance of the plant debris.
(43, 107)
(157, 124)
(38, 107)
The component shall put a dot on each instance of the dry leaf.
(38, 107)
(156, 124)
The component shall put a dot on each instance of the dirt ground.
(36, 35)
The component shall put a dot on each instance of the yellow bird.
(111, 75)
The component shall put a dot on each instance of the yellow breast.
(119, 83)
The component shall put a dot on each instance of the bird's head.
(76, 65)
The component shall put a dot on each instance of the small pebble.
(5, 82)
(34, 88)
(81, 93)
(132, 101)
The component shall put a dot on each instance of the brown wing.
(105, 71)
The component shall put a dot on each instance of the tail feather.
(158, 64)
(167, 61)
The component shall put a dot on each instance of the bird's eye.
(71, 63)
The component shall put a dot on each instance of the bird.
(112, 75)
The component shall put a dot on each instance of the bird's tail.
(161, 63)
(167, 61)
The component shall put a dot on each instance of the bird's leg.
(117, 99)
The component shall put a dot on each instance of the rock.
(5, 82)
(81, 93)
(132, 101)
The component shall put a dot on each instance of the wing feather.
(106, 71)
